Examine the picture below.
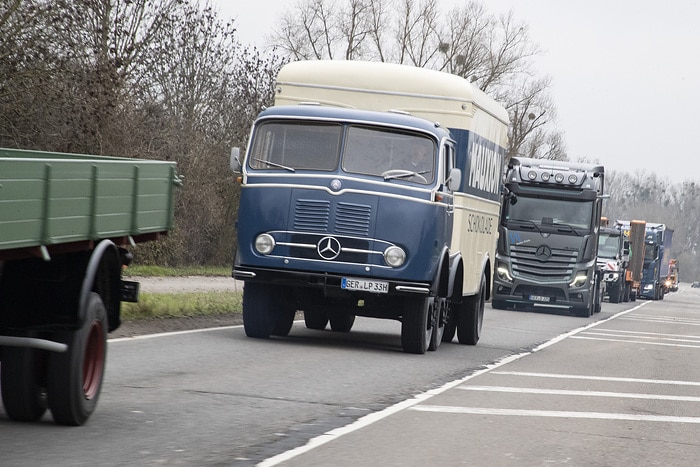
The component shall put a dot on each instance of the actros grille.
(558, 267)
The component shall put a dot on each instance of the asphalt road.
(220, 398)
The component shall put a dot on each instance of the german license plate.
(364, 285)
(540, 298)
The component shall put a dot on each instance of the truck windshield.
(290, 146)
(608, 245)
(389, 154)
(543, 212)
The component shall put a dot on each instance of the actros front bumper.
(531, 295)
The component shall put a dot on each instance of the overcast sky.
(625, 74)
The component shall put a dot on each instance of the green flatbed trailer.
(66, 223)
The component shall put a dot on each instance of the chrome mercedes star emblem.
(543, 252)
(328, 248)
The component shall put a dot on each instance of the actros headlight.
(648, 286)
(394, 256)
(264, 244)
(580, 280)
(503, 273)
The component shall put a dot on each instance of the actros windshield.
(386, 153)
(544, 212)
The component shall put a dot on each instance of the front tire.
(258, 313)
(75, 376)
(416, 328)
(341, 322)
(315, 319)
(615, 293)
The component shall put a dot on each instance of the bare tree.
(493, 52)
(417, 33)
(530, 111)
(157, 79)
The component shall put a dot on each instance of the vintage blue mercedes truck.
(370, 189)
(548, 243)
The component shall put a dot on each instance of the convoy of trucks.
(548, 237)
(341, 217)
(66, 222)
(368, 189)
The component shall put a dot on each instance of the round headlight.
(394, 256)
(572, 179)
(264, 244)
(559, 178)
(532, 175)
(545, 176)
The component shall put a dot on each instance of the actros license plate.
(540, 298)
(363, 285)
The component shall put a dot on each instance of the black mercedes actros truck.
(548, 237)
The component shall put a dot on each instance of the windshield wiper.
(272, 164)
(569, 227)
(527, 223)
(402, 173)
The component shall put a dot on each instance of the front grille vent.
(353, 219)
(312, 215)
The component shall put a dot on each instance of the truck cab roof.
(315, 111)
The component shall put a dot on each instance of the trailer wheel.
(471, 318)
(315, 319)
(22, 395)
(626, 295)
(75, 376)
(416, 326)
(341, 322)
(258, 314)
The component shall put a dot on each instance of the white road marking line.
(651, 320)
(598, 378)
(553, 414)
(621, 331)
(369, 419)
(671, 319)
(695, 340)
(172, 333)
(566, 392)
(637, 342)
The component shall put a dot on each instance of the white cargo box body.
(478, 124)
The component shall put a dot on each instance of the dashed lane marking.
(553, 414)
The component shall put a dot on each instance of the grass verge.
(160, 271)
(182, 305)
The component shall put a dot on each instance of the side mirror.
(235, 162)
(454, 180)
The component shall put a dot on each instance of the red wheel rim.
(94, 360)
